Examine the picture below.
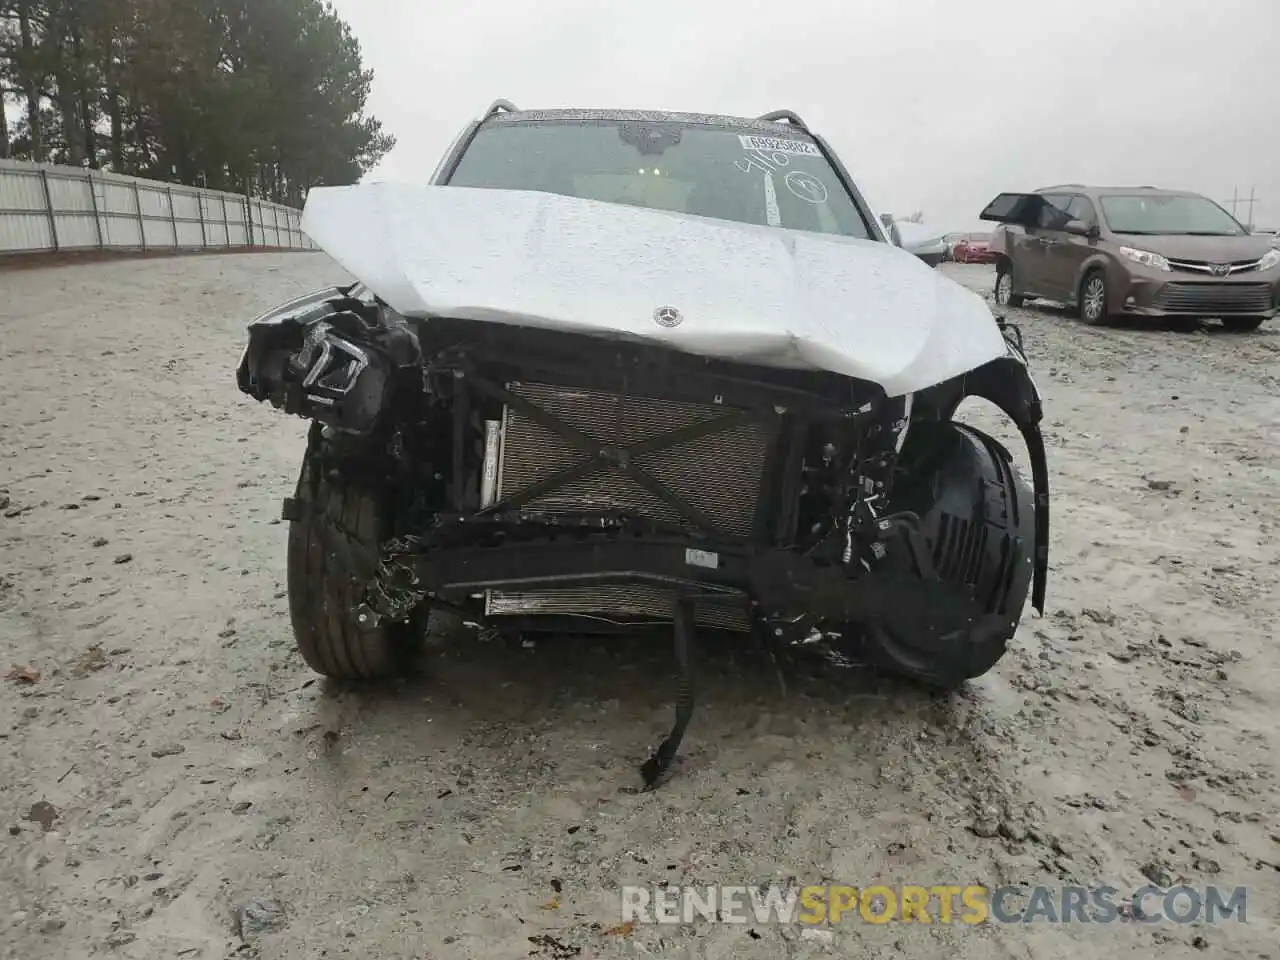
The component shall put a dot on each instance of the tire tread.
(333, 549)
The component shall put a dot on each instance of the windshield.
(688, 168)
(1165, 215)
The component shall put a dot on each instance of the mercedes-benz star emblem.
(667, 317)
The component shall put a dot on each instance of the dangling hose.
(662, 758)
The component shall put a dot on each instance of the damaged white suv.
(612, 369)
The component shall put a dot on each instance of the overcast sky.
(934, 105)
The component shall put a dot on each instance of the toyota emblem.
(1220, 269)
(667, 317)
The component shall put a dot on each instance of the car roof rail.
(500, 106)
(789, 116)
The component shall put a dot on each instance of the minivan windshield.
(712, 171)
(1167, 215)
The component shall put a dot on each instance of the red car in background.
(973, 248)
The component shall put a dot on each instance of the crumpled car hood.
(762, 295)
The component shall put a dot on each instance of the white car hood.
(762, 295)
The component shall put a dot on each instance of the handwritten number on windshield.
(760, 162)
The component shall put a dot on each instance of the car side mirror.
(1079, 228)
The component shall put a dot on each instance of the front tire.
(1241, 324)
(336, 530)
(977, 519)
(1092, 305)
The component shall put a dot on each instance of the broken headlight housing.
(332, 363)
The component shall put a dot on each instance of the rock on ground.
(213, 798)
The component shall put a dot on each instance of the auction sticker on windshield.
(778, 145)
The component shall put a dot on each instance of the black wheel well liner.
(1007, 384)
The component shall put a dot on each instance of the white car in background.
(925, 242)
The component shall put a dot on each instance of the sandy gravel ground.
(176, 784)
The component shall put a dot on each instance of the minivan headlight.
(1269, 260)
(1146, 258)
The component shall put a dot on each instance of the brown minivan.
(1137, 251)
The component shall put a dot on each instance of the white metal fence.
(51, 208)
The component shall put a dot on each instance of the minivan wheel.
(1242, 324)
(1093, 298)
(1005, 297)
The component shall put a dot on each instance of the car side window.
(1053, 212)
(1081, 208)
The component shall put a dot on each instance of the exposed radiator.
(719, 475)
